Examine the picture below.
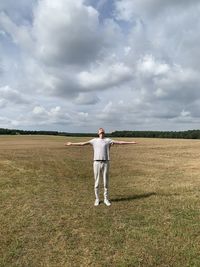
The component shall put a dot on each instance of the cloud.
(66, 32)
(9, 95)
(41, 116)
(164, 28)
(87, 99)
(20, 34)
(148, 66)
(2, 103)
(54, 115)
(129, 10)
(20, 11)
(1, 65)
(180, 85)
(62, 50)
(105, 76)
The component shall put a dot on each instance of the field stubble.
(47, 215)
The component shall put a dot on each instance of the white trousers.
(101, 167)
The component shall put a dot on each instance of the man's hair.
(101, 130)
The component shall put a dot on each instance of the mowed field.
(47, 216)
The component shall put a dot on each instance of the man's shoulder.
(108, 140)
(93, 140)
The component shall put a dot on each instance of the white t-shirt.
(101, 148)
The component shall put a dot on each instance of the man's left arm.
(123, 142)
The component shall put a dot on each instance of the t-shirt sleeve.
(91, 141)
(110, 141)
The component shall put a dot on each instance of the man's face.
(101, 133)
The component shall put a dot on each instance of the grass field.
(47, 217)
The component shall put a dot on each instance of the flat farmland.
(47, 216)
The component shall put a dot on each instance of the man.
(101, 147)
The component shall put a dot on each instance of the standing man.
(101, 147)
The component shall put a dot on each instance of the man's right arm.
(77, 144)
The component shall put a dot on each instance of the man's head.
(101, 132)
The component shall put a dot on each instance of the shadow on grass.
(133, 197)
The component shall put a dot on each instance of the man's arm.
(77, 144)
(123, 142)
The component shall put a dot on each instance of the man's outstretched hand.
(68, 144)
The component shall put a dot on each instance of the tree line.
(189, 134)
(4, 131)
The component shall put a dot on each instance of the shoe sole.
(108, 205)
(96, 204)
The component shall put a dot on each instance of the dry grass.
(48, 219)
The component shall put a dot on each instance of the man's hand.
(68, 144)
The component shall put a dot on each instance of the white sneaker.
(96, 203)
(107, 202)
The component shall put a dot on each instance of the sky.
(75, 66)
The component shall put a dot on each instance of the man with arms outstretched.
(101, 147)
